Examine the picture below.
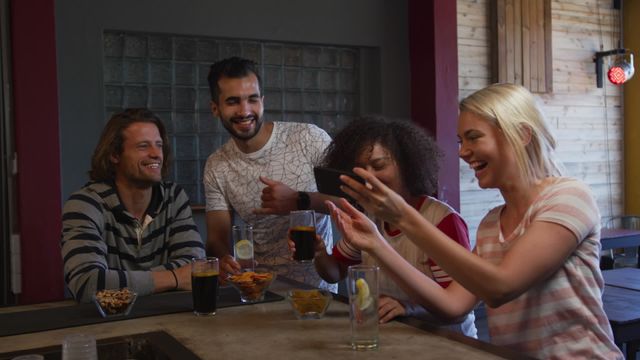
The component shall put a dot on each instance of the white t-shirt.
(231, 182)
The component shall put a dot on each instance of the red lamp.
(621, 71)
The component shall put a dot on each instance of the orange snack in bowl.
(309, 304)
(251, 284)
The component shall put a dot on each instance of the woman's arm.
(329, 268)
(534, 257)
(356, 228)
(539, 252)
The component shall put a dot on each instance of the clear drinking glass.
(362, 285)
(79, 347)
(243, 246)
(204, 285)
(302, 230)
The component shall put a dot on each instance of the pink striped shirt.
(561, 318)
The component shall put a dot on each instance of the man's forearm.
(163, 281)
(218, 249)
(317, 201)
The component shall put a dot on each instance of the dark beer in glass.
(304, 237)
(204, 285)
(302, 230)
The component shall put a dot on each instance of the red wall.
(35, 102)
(434, 84)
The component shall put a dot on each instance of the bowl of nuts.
(114, 302)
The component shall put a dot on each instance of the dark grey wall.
(79, 25)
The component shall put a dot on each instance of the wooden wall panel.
(522, 30)
(587, 121)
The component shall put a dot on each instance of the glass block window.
(168, 74)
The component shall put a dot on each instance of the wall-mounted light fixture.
(619, 72)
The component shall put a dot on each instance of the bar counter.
(271, 331)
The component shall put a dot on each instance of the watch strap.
(304, 201)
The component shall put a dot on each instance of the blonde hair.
(513, 109)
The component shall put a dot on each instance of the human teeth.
(155, 166)
(243, 121)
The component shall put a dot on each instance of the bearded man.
(262, 173)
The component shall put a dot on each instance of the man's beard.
(228, 124)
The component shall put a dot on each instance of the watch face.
(303, 200)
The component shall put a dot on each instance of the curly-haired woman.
(405, 158)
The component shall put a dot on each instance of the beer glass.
(204, 285)
(362, 286)
(302, 230)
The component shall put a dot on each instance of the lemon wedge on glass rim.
(363, 297)
(244, 249)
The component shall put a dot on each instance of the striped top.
(446, 220)
(563, 317)
(105, 247)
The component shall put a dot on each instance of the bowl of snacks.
(252, 285)
(309, 304)
(114, 302)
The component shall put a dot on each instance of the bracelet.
(175, 278)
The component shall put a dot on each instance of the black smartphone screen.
(328, 180)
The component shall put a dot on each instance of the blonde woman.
(536, 261)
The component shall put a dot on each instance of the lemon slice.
(363, 298)
(244, 250)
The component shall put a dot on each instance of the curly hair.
(410, 146)
(112, 139)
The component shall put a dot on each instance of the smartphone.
(328, 181)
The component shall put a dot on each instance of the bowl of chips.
(252, 285)
(309, 304)
(114, 302)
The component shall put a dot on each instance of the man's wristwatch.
(304, 201)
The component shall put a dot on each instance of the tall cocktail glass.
(243, 246)
(362, 285)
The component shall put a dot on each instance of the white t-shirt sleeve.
(214, 195)
(317, 141)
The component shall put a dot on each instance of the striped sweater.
(561, 317)
(105, 247)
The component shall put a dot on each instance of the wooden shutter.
(522, 43)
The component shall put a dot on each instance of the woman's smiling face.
(378, 160)
(485, 148)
